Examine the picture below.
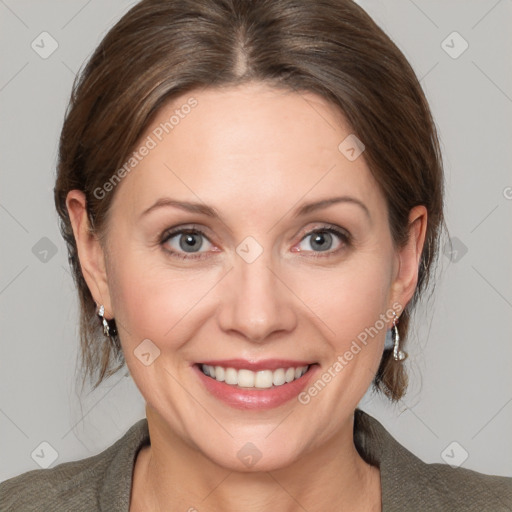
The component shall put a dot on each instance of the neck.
(334, 476)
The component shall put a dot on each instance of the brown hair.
(163, 48)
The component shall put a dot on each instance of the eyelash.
(344, 237)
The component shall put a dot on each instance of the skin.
(255, 154)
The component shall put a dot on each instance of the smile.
(262, 379)
(249, 385)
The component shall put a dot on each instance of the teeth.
(246, 378)
(220, 373)
(278, 378)
(262, 379)
(231, 376)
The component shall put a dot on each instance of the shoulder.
(459, 488)
(93, 483)
(408, 483)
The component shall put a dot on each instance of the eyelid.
(324, 226)
(168, 233)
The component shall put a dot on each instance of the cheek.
(350, 298)
(151, 301)
(357, 297)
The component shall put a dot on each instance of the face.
(250, 279)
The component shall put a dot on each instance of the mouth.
(245, 378)
(246, 385)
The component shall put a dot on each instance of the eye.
(185, 243)
(323, 238)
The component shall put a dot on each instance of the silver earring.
(106, 327)
(398, 355)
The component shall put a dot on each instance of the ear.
(90, 252)
(406, 279)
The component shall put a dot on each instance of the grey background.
(460, 349)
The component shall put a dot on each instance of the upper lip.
(266, 364)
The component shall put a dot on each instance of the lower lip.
(252, 398)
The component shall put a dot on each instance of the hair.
(162, 49)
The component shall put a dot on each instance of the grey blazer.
(103, 482)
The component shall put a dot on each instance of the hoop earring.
(107, 330)
(106, 326)
(398, 355)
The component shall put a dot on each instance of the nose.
(256, 301)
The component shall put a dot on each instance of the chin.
(256, 455)
(249, 459)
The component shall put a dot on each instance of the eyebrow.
(209, 211)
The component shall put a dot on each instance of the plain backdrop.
(460, 349)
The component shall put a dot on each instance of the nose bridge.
(257, 303)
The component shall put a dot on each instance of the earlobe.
(90, 252)
(409, 256)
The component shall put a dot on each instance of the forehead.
(253, 141)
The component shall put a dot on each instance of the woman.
(252, 198)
